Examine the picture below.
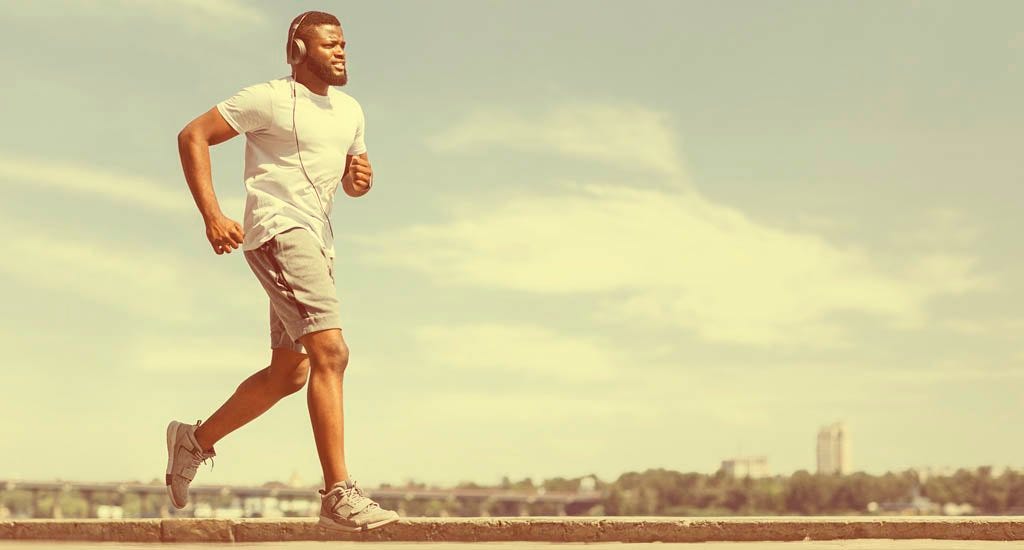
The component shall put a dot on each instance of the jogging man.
(303, 138)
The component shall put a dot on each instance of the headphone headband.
(295, 49)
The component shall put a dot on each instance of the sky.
(601, 238)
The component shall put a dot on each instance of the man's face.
(326, 54)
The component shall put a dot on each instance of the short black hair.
(313, 19)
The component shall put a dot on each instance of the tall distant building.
(752, 466)
(834, 449)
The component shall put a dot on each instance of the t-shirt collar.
(302, 90)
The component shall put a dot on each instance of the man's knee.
(327, 350)
(334, 357)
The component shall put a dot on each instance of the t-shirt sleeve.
(359, 143)
(248, 110)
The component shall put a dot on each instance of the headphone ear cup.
(297, 52)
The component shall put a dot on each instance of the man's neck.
(314, 84)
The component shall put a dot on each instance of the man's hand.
(224, 233)
(358, 177)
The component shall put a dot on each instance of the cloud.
(194, 13)
(138, 280)
(631, 138)
(671, 257)
(940, 229)
(1010, 329)
(503, 408)
(104, 184)
(142, 282)
(200, 11)
(519, 348)
(952, 372)
(242, 353)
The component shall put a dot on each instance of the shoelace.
(199, 458)
(357, 499)
(197, 455)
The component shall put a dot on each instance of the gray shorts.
(299, 278)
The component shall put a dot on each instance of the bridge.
(482, 502)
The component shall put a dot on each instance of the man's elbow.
(186, 135)
(193, 133)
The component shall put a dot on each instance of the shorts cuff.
(313, 324)
(280, 339)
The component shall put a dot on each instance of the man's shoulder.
(271, 87)
(280, 85)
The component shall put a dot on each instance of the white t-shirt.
(278, 195)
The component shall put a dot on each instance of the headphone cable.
(298, 151)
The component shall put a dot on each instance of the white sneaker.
(346, 508)
(183, 459)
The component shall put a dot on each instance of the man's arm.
(358, 175)
(194, 143)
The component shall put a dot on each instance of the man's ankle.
(206, 446)
(330, 484)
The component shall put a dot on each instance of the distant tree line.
(661, 492)
(671, 493)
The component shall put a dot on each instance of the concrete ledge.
(141, 530)
(537, 529)
(199, 530)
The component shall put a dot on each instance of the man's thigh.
(279, 337)
(298, 278)
(288, 364)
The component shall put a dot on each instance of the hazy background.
(601, 238)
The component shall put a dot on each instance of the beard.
(326, 73)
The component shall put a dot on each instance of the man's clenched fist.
(359, 177)
(224, 234)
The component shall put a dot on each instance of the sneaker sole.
(172, 432)
(326, 523)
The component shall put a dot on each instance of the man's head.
(325, 47)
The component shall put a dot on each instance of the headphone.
(295, 54)
(295, 49)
